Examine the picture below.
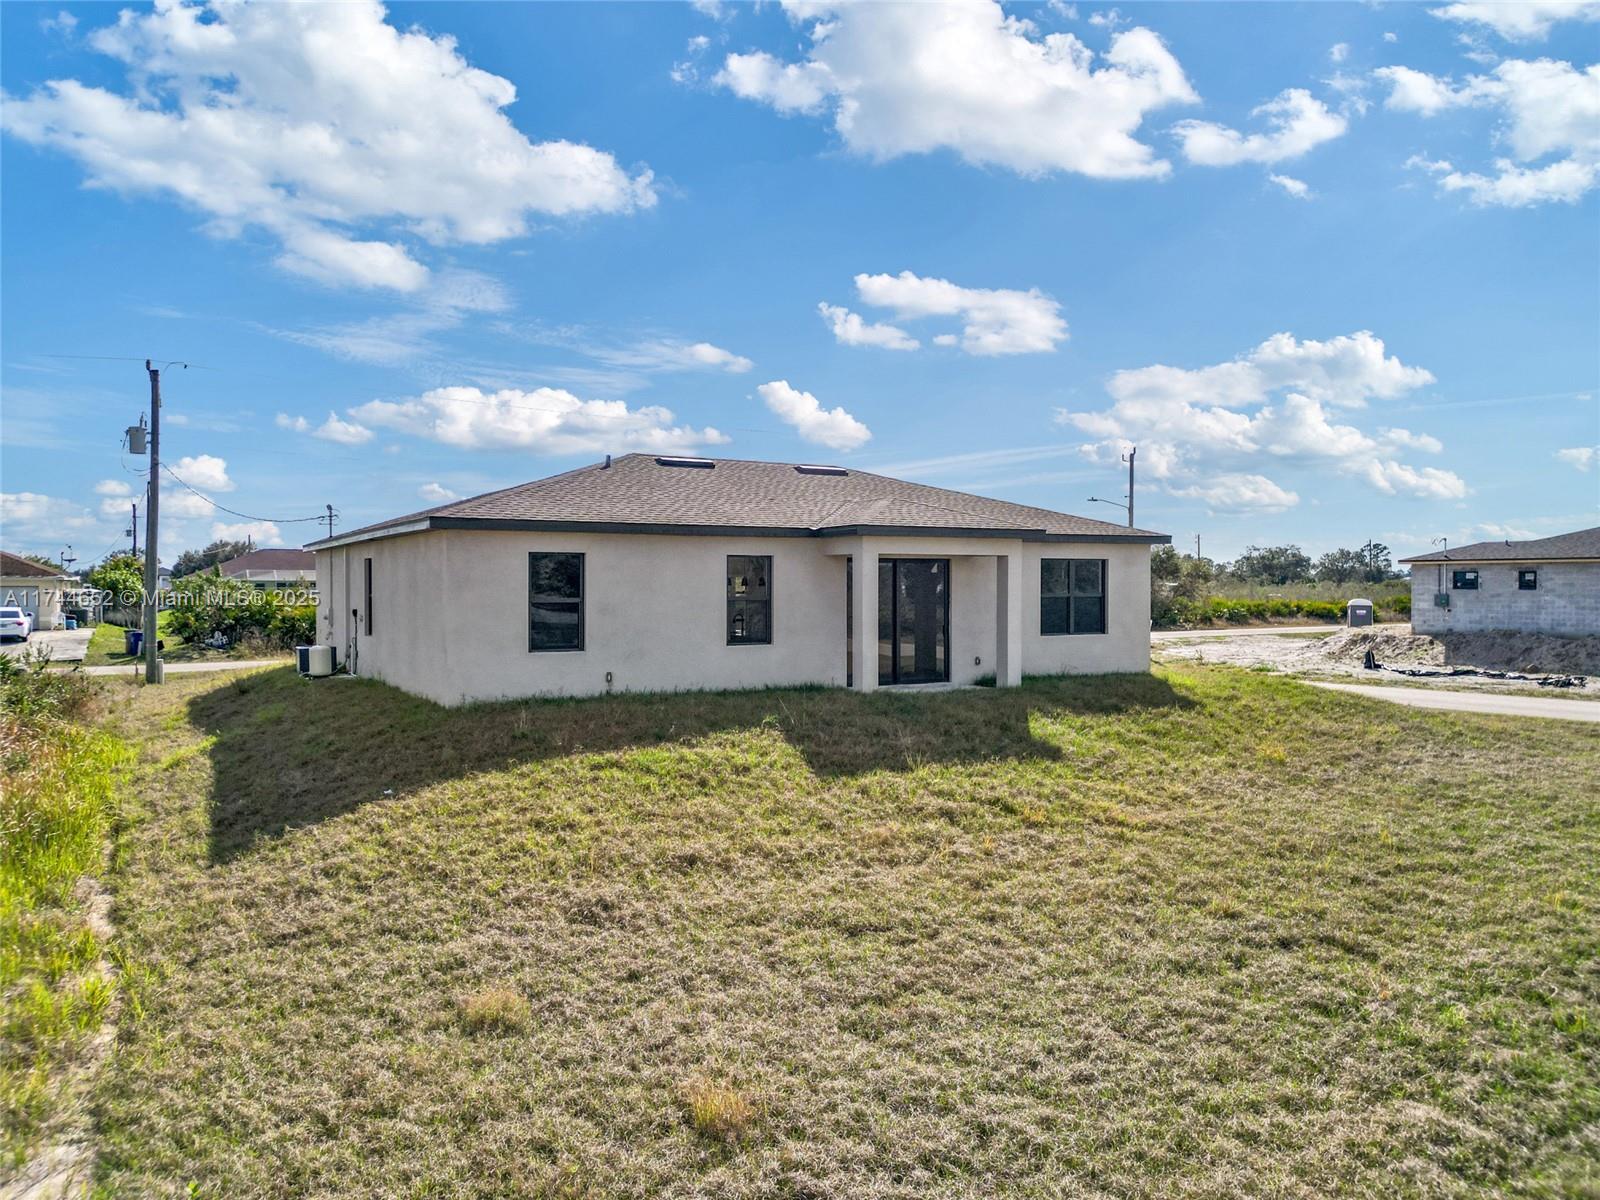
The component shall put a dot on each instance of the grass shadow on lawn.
(287, 752)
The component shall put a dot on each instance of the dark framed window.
(1464, 581)
(749, 599)
(1528, 581)
(555, 601)
(366, 594)
(1072, 596)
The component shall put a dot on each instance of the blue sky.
(1333, 267)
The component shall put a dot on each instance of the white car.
(14, 623)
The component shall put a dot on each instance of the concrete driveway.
(66, 645)
(1493, 703)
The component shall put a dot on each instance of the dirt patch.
(1344, 652)
(1534, 653)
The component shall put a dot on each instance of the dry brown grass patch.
(717, 1110)
(495, 1010)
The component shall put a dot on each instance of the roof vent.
(813, 469)
(704, 464)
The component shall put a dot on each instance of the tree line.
(1277, 566)
(1183, 588)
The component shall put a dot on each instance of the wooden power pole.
(1133, 453)
(152, 578)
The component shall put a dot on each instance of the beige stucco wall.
(1125, 646)
(36, 594)
(450, 612)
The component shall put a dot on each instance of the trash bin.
(132, 639)
(1358, 612)
(72, 622)
(302, 659)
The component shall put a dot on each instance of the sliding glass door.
(913, 620)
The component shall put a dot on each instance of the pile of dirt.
(1535, 653)
(1396, 649)
(1538, 656)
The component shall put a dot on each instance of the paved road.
(1184, 635)
(66, 645)
(193, 668)
(1475, 702)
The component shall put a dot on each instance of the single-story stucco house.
(272, 569)
(34, 588)
(1548, 585)
(662, 573)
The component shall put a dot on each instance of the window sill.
(555, 649)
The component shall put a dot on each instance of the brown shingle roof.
(271, 560)
(1585, 543)
(638, 493)
(14, 566)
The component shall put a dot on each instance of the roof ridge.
(747, 494)
(1011, 503)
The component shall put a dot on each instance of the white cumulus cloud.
(261, 533)
(204, 472)
(346, 433)
(1581, 457)
(902, 79)
(1239, 493)
(1520, 20)
(1298, 188)
(544, 420)
(437, 493)
(670, 354)
(294, 424)
(1275, 404)
(833, 428)
(849, 329)
(1297, 123)
(337, 133)
(32, 517)
(993, 320)
(1550, 127)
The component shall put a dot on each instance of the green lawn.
(106, 643)
(1203, 933)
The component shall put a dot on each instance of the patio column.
(1008, 620)
(864, 617)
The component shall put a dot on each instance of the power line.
(233, 512)
(486, 400)
(125, 358)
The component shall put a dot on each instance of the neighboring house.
(273, 570)
(1550, 585)
(33, 588)
(666, 573)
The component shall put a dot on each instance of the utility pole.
(1197, 547)
(1133, 452)
(329, 520)
(1128, 458)
(152, 662)
(67, 559)
(133, 529)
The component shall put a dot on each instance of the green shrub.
(56, 792)
(1176, 612)
(205, 604)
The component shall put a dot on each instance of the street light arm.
(1116, 503)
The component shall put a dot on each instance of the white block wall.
(1567, 600)
(450, 613)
